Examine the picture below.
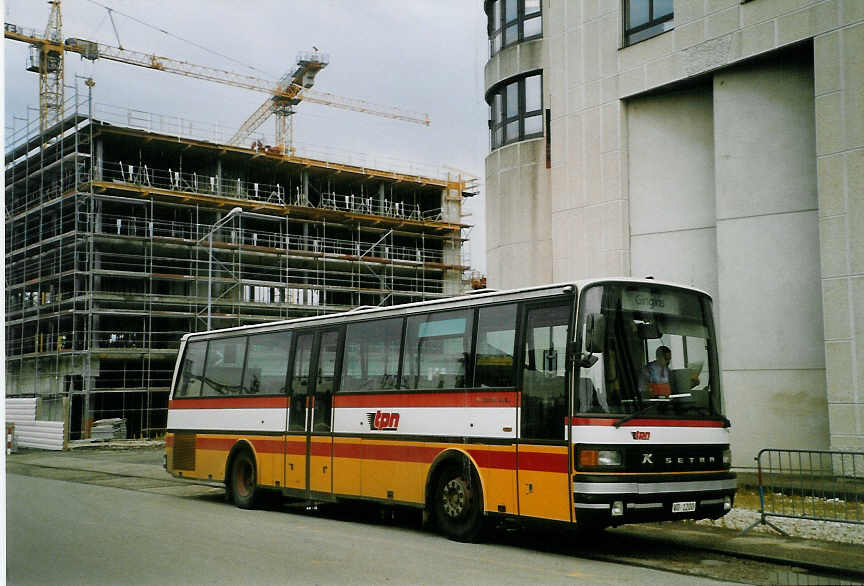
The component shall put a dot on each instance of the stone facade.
(726, 153)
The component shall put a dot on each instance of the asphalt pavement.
(838, 558)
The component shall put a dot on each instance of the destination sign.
(649, 301)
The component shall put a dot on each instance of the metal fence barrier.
(818, 485)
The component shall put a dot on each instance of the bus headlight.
(727, 457)
(596, 458)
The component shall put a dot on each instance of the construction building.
(126, 230)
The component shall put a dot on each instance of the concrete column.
(839, 90)
(99, 162)
(519, 242)
(671, 177)
(770, 302)
(219, 176)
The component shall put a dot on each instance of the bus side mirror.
(595, 332)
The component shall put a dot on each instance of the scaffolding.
(119, 240)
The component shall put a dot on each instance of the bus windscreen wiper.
(636, 413)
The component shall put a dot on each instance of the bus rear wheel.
(458, 502)
(244, 479)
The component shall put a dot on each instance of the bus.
(536, 403)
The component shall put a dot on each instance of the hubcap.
(455, 498)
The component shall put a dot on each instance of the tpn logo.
(641, 435)
(383, 421)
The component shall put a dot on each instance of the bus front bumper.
(615, 503)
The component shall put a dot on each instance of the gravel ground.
(805, 528)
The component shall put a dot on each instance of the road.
(65, 532)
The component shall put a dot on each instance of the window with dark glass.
(267, 364)
(300, 382)
(516, 110)
(544, 369)
(496, 341)
(371, 360)
(223, 372)
(644, 19)
(512, 21)
(437, 347)
(191, 371)
(325, 380)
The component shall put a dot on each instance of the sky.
(413, 54)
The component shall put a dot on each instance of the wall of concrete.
(518, 241)
(770, 305)
(519, 249)
(671, 177)
(787, 101)
(839, 90)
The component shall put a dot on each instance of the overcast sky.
(418, 55)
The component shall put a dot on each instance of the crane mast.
(46, 59)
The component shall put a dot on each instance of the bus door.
(296, 441)
(543, 465)
(319, 425)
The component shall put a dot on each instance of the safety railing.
(120, 172)
(819, 485)
(134, 226)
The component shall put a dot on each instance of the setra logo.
(641, 435)
(383, 421)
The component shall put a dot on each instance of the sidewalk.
(813, 554)
(810, 553)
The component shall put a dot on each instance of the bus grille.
(184, 451)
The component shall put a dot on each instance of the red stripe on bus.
(646, 422)
(352, 451)
(490, 459)
(274, 402)
(544, 462)
(224, 444)
(421, 454)
(215, 443)
(497, 459)
(320, 449)
(296, 448)
(467, 399)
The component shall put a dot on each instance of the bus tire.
(244, 479)
(457, 502)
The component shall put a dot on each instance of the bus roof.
(465, 300)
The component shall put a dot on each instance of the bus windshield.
(647, 349)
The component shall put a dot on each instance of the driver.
(654, 376)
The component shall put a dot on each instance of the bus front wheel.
(244, 490)
(458, 502)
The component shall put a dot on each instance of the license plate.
(685, 507)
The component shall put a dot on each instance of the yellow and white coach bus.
(596, 402)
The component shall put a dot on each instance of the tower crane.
(281, 106)
(47, 56)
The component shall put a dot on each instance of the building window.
(516, 110)
(644, 19)
(511, 22)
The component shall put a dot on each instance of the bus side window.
(191, 371)
(544, 392)
(267, 364)
(371, 358)
(437, 347)
(223, 373)
(496, 346)
(299, 386)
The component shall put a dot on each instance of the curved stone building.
(718, 143)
